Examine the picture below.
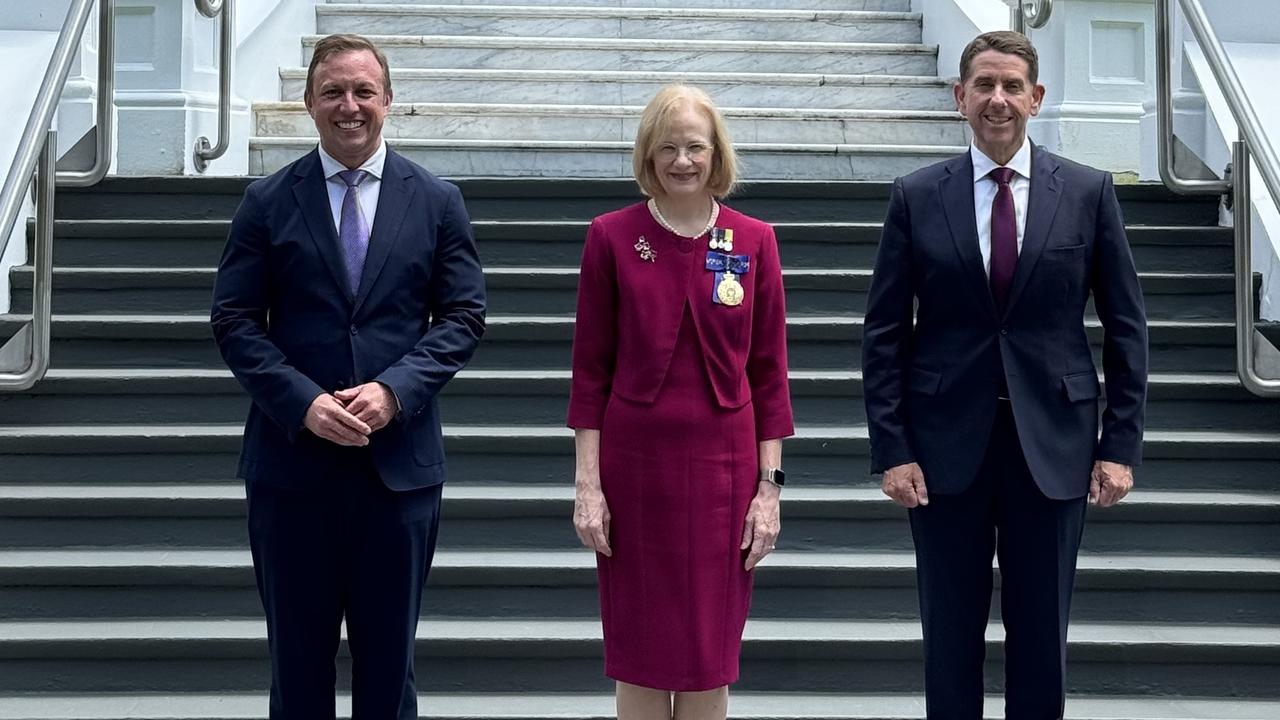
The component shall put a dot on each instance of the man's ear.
(1037, 97)
(958, 91)
(306, 102)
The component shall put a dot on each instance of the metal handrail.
(104, 129)
(1030, 14)
(55, 77)
(203, 153)
(1245, 319)
(1164, 114)
(1253, 144)
(34, 337)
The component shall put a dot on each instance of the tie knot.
(353, 178)
(1002, 175)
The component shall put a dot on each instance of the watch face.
(779, 477)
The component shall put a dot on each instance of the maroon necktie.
(1004, 238)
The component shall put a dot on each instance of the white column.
(167, 90)
(1098, 66)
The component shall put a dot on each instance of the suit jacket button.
(354, 331)
(1003, 331)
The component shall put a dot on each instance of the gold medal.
(729, 290)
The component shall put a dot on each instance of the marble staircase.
(812, 89)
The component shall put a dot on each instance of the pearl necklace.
(711, 222)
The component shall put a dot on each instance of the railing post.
(24, 359)
(203, 152)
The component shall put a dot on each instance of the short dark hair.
(330, 45)
(1005, 41)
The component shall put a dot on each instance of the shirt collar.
(373, 165)
(1020, 162)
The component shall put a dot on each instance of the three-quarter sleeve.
(595, 333)
(767, 358)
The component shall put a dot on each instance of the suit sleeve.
(457, 304)
(886, 338)
(767, 358)
(1117, 296)
(595, 332)
(241, 300)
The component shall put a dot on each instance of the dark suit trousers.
(1035, 540)
(350, 549)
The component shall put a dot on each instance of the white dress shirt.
(366, 193)
(984, 193)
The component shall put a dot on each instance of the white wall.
(951, 24)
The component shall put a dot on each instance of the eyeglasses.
(695, 152)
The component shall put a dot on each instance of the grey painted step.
(540, 397)
(818, 655)
(543, 341)
(537, 517)
(551, 290)
(605, 22)
(579, 87)
(495, 455)
(619, 123)
(581, 706)
(102, 583)
(687, 54)
(873, 5)
(602, 159)
(546, 199)
(539, 243)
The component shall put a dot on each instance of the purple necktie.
(1004, 238)
(352, 231)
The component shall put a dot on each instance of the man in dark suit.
(349, 293)
(983, 412)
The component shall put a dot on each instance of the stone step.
(537, 517)
(688, 54)
(552, 290)
(498, 455)
(619, 22)
(844, 5)
(583, 87)
(540, 397)
(104, 583)
(540, 243)
(561, 655)
(604, 159)
(541, 200)
(583, 706)
(543, 341)
(481, 121)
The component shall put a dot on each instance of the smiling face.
(348, 103)
(683, 156)
(997, 98)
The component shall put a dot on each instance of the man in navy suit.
(349, 293)
(981, 390)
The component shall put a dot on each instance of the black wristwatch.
(774, 475)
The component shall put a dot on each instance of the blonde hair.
(656, 121)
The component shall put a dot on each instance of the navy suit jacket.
(290, 329)
(931, 387)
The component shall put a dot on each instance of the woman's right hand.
(591, 515)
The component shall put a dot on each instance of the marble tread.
(789, 90)
(556, 53)
(563, 21)
(478, 121)
(602, 159)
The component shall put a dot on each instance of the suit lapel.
(313, 198)
(956, 190)
(1042, 206)
(394, 197)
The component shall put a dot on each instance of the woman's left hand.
(764, 522)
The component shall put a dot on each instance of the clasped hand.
(348, 417)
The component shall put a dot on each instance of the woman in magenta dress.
(679, 402)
